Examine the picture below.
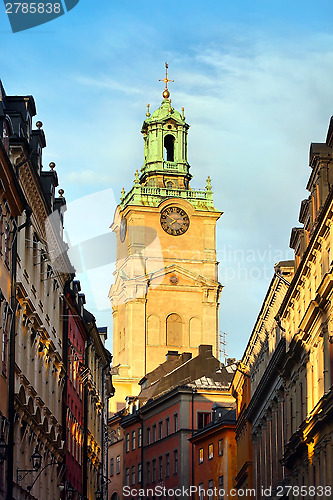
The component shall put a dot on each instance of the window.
(203, 419)
(169, 147)
(133, 440)
(210, 489)
(133, 475)
(118, 464)
(127, 442)
(201, 455)
(153, 474)
(167, 426)
(167, 465)
(111, 466)
(160, 468)
(160, 430)
(127, 476)
(210, 451)
(201, 491)
(139, 437)
(220, 447)
(148, 435)
(221, 487)
(154, 433)
(139, 473)
(148, 472)
(7, 245)
(175, 422)
(174, 330)
(175, 461)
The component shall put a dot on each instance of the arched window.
(169, 148)
(174, 330)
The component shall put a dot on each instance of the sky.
(255, 79)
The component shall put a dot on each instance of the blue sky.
(255, 79)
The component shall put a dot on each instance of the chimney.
(206, 351)
(171, 355)
(186, 356)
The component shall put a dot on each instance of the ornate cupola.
(165, 150)
(165, 172)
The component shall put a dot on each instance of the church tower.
(166, 291)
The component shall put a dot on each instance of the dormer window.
(5, 135)
(28, 126)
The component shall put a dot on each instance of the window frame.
(175, 462)
(175, 422)
(133, 437)
(201, 456)
(220, 447)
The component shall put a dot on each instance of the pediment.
(184, 276)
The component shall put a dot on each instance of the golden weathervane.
(166, 80)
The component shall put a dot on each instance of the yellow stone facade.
(166, 291)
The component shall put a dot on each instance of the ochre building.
(166, 291)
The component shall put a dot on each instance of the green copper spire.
(165, 149)
(166, 172)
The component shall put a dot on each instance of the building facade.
(36, 364)
(55, 376)
(12, 204)
(98, 389)
(116, 463)
(306, 316)
(74, 341)
(258, 389)
(174, 403)
(215, 455)
(166, 291)
(289, 358)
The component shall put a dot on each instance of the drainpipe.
(85, 428)
(192, 433)
(146, 294)
(11, 363)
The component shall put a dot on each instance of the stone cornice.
(265, 381)
(319, 229)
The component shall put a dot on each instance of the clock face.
(123, 229)
(174, 221)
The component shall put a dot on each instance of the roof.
(228, 417)
(164, 113)
(203, 372)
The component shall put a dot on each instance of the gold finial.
(39, 125)
(122, 197)
(209, 184)
(170, 108)
(166, 80)
(136, 179)
(183, 113)
(52, 165)
(148, 114)
(61, 193)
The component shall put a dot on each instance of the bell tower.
(166, 291)
(165, 146)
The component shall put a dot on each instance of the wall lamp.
(36, 459)
(98, 493)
